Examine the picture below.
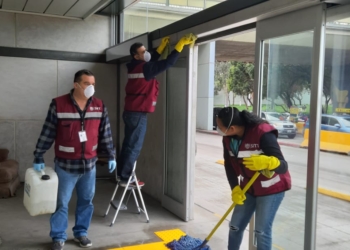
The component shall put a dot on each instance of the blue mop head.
(186, 243)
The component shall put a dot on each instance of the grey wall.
(38, 32)
(28, 85)
(150, 164)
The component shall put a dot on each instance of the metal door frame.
(186, 210)
(296, 22)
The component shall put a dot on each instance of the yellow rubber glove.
(267, 173)
(165, 52)
(165, 41)
(261, 162)
(185, 40)
(237, 195)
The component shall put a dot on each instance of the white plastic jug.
(40, 191)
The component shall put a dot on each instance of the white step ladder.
(120, 206)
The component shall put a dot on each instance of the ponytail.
(251, 119)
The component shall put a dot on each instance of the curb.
(289, 144)
(280, 143)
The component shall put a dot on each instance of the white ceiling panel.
(81, 8)
(71, 9)
(17, 5)
(60, 7)
(38, 6)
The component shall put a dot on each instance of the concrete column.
(205, 89)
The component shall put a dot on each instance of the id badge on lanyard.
(82, 133)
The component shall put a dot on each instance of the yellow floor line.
(334, 194)
(218, 215)
(220, 162)
(166, 237)
(277, 247)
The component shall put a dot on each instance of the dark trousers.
(134, 135)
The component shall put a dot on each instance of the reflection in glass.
(286, 104)
(146, 16)
(333, 208)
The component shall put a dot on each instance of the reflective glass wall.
(286, 85)
(333, 217)
(149, 15)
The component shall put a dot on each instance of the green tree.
(327, 86)
(241, 81)
(221, 76)
(289, 82)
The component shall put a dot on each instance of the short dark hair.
(77, 76)
(134, 48)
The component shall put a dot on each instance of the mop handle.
(249, 184)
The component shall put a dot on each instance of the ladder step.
(115, 205)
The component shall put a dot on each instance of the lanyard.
(234, 145)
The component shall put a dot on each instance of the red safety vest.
(141, 95)
(251, 145)
(69, 124)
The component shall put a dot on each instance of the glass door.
(286, 94)
(333, 217)
(180, 135)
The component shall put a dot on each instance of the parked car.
(277, 115)
(334, 123)
(285, 128)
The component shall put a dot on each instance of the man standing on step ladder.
(141, 98)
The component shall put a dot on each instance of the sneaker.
(57, 245)
(84, 241)
(123, 183)
(133, 184)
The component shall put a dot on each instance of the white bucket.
(40, 191)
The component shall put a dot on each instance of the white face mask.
(147, 56)
(220, 132)
(88, 91)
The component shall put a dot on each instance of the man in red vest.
(141, 98)
(78, 123)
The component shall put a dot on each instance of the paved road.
(213, 193)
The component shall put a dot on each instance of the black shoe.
(84, 241)
(57, 245)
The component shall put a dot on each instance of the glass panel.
(216, 88)
(286, 100)
(157, 1)
(196, 3)
(333, 215)
(178, 2)
(211, 3)
(146, 16)
(176, 137)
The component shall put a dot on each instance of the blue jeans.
(266, 208)
(134, 135)
(85, 188)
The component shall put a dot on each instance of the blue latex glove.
(38, 167)
(112, 165)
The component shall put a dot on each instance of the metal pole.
(314, 131)
(257, 100)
